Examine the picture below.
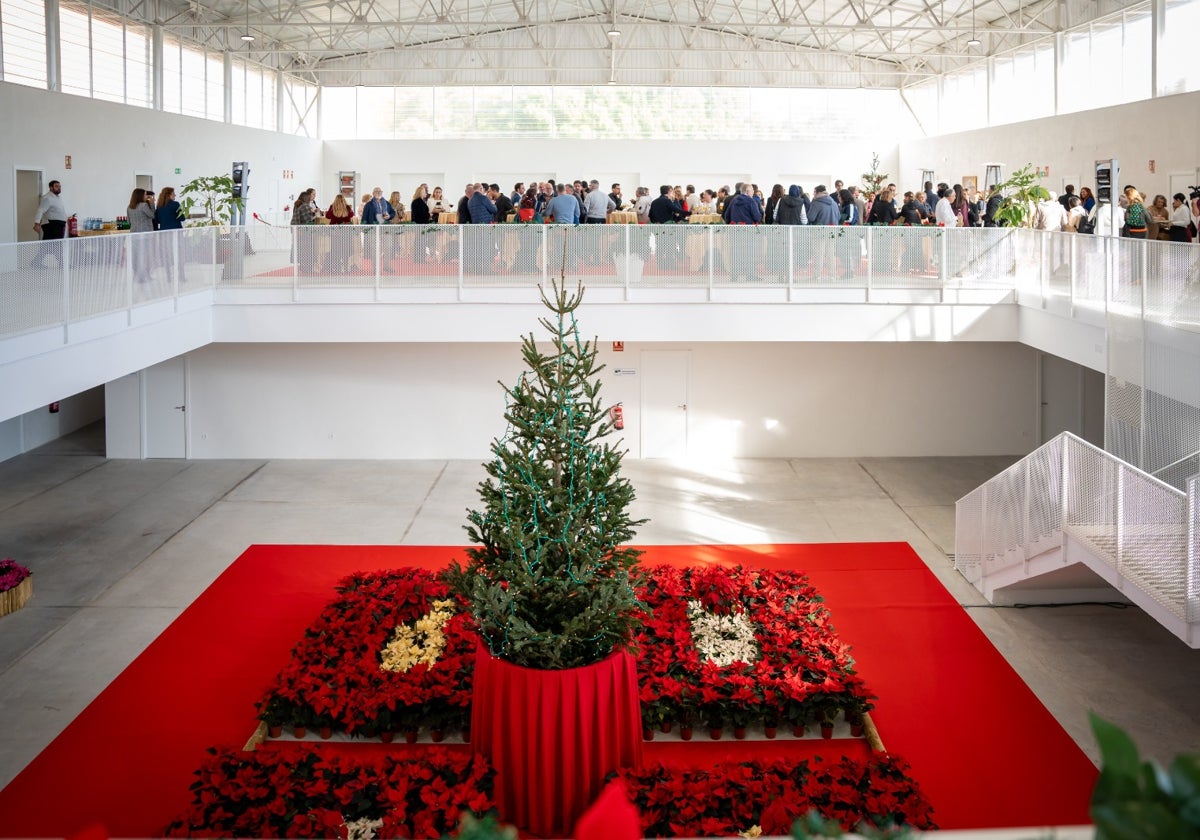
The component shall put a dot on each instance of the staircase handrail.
(1141, 530)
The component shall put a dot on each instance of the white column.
(156, 67)
(53, 53)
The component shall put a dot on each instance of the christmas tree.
(548, 576)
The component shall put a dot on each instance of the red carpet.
(984, 749)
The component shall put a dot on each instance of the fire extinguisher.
(73, 226)
(618, 416)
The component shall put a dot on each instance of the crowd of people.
(586, 202)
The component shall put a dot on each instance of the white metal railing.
(58, 283)
(1135, 528)
(64, 282)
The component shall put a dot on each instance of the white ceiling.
(788, 43)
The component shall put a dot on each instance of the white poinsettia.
(422, 643)
(722, 639)
(363, 828)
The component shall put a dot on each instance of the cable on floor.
(1116, 605)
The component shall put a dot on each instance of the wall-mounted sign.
(618, 346)
(625, 371)
(67, 161)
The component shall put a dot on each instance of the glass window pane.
(1179, 71)
(138, 61)
(74, 47)
(23, 24)
(172, 76)
(108, 57)
(214, 87)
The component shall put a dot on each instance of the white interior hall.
(851, 407)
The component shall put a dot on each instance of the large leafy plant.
(1022, 191)
(1140, 800)
(213, 195)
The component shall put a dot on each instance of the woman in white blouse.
(1181, 217)
(437, 203)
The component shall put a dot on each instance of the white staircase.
(1069, 521)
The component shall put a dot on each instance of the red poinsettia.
(300, 793)
(803, 672)
(335, 679)
(732, 797)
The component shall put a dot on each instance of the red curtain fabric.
(554, 735)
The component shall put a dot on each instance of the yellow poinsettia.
(421, 643)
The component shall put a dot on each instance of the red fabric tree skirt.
(554, 735)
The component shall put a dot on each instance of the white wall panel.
(749, 400)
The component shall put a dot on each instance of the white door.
(166, 427)
(664, 419)
(29, 195)
(1062, 397)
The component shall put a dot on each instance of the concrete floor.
(120, 548)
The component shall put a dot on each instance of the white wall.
(1164, 130)
(108, 143)
(34, 428)
(630, 162)
(746, 399)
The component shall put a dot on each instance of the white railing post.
(175, 267)
(628, 262)
(791, 260)
(128, 243)
(66, 290)
(1192, 612)
(462, 250)
(1119, 527)
(712, 257)
(869, 246)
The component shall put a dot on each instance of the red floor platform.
(986, 751)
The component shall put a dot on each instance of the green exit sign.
(178, 171)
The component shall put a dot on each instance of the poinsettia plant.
(741, 646)
(395, 651)
(346, 672)
(11, 574)
(733, 797)
(300, 792)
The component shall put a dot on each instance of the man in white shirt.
(642, 205)
(50, 222)
(944, 214)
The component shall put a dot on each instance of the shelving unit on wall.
(348, 186)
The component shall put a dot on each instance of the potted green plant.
(1022, 191)
(208, 201)
(1135, 799)
(213, 195)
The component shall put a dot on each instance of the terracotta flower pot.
(436, 735)
(647, 733)
(827, 731)
(387, 736)
(797, 731)
(299, 731)
(410, 736)
(769, 730)
(739, 732)
(274, 731)
(856, 730)
(715, 732)
(326, 732)
(685, 733)
(665, 726)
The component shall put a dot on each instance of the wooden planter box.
(13, 599)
